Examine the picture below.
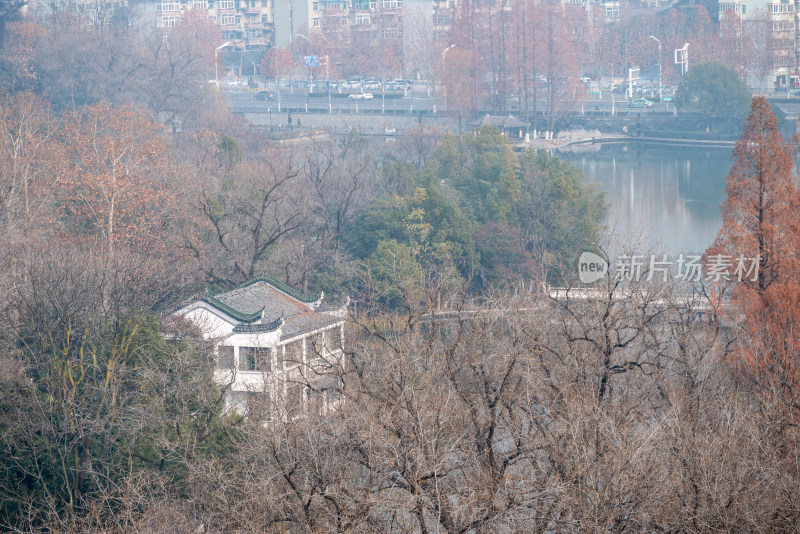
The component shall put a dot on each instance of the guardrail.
(336, 107)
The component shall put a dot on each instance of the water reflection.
(668, 194)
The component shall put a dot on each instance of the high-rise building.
(773, 22)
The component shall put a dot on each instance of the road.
(393, 103)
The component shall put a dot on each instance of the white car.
(360, 96)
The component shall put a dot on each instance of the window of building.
(229, 18)
(170, 5)
(316, 400)
(264, 19)
(392, 4)
(361, 5)
(258, 404)
(316, 23)
(362, 19)
(372, 5)
(315, 6)
(238, 402)
(293, 354)
(315, 345)
(225, 4)
(198, 4)
(344, 21)
(334, 339)
(169, 21)
(390, 33)
(225, 357)
(255, 359)
(294, 400)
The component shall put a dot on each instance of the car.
(351, 84)
(396, 85)
(642, 103)
(361, 96)
(264, 95)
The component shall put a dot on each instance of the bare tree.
(244, 212)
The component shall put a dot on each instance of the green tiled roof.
(246, 317)
(253, 316)
(277, 284)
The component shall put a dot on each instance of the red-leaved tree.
(760, 220)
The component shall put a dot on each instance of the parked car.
(361, 96)
(642, 103)
(351, 84)
(371, 84)
(264, 95)
(396, 85)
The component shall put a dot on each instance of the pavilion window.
(255, 359)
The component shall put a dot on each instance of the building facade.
(274, 346)
(776, 22)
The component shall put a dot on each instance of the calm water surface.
(669, 195)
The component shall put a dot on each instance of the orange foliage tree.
(30, 160)
(117, 187)
(760, 220)
(277, 63)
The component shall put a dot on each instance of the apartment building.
(780, 18)
(246, 24)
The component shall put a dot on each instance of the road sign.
(667, 99)
(312, 61)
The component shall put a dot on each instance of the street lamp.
(311, 71)
(216, 51)
(660, 89)
(444, 71)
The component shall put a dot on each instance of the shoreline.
(613, 138)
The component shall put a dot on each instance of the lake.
(670, 195)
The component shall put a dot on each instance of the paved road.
(299, 101)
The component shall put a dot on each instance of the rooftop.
(501, 121)
(265, 304)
